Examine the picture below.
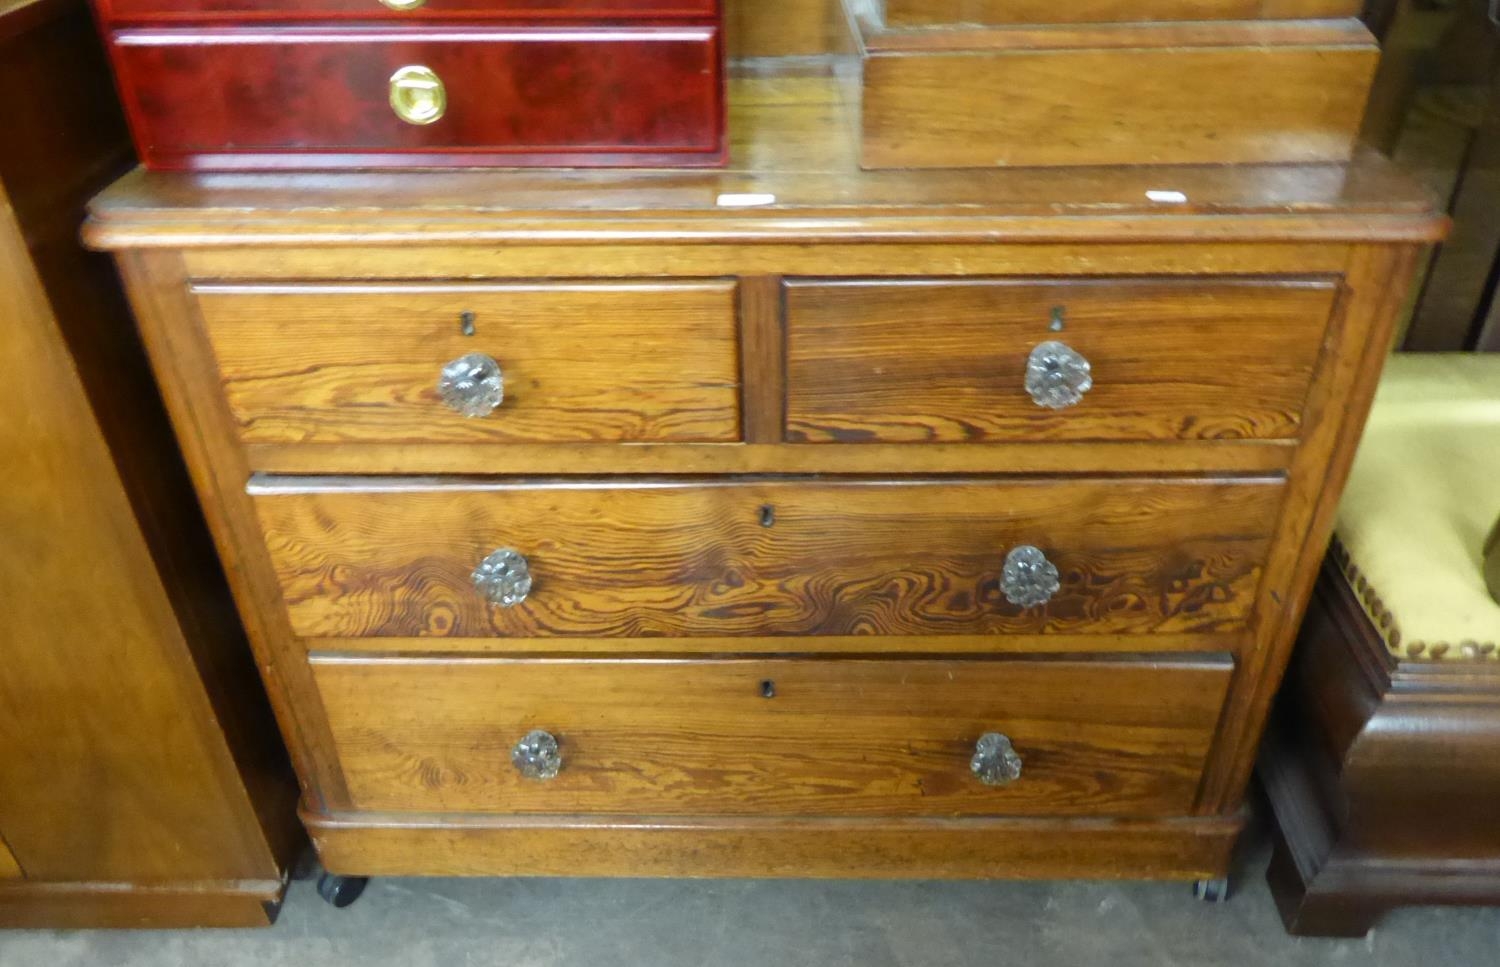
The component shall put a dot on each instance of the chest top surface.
(793, 174)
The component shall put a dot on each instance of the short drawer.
(575, 362)
(787, 737)
(303, 97)
(401, 10)
(402, 558)
(953, 361)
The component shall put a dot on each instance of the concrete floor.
(681, 923)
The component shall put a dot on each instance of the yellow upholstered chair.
(1383, 761)
(1422, 499)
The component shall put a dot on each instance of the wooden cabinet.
(141, 779)
(780, 553)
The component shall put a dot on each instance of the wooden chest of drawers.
(247, 84)
(789, 520)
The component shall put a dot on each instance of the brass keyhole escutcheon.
(418, 95)
(402, 4)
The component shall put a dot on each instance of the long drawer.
(538, 362)
(240, 11)
(778, 737)
(411, 557)
(988, 361)
(331, 97)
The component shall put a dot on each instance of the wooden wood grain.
(177, 906)
(1377, 280)
(786, 28)
(356, 558)
(763, 358)
(387, 845)
(1394, 746)
(135, 749)
(945, 360)
(794, 139)
(184, 367)
(846, 738)
(1153, 100)
(1230, 643)
(348, 552)
(1211, 252)
(884, 459)
(646, 361)
(1131, 35)
(113, 767)
(941, 13)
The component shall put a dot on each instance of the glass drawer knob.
(1057, 375)
(472, 385)
(504, 577)
(537, 755)
(995, 761)
(1027, 578)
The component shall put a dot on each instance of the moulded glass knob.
(1028, 579)
(537, 755)
(472, 385)
(1057, 375)
(504, 577)
(995, 761)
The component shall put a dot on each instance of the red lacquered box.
(259, 84)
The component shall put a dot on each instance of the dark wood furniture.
(1383, 761)
(231, 84)
(785, 520)
(141, 783)
(1435, 108)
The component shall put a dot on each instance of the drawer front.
(526, 92)
(947, 361)
(577, 363)
(613, 559)
(940, 13)
(784, 737)
(401, 10)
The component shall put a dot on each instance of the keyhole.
(1057, 319)
(768, 689)
(767, 516)
(466, 322)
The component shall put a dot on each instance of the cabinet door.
(112, 767)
